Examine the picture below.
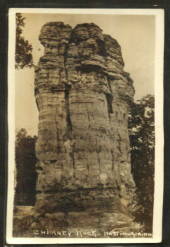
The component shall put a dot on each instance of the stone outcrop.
(83, 96)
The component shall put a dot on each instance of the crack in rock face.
(83, 97)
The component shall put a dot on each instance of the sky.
(135, 34)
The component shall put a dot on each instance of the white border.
(159, 136)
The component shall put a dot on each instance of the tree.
(23, 50)
(142, 140)
(25, 168)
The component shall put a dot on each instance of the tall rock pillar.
(83, 95)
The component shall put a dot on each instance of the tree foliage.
(25, 168)
(23, 49)
(142, 134)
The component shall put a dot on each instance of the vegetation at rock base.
(142, 140)
(23, 50)
(25, 168)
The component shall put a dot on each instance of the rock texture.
(83, 96)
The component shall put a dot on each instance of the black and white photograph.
(85, 123)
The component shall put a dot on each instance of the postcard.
(85, 124)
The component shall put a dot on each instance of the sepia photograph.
(85, 123)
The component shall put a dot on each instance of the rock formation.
(83, 97)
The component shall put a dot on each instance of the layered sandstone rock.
(83, 96)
